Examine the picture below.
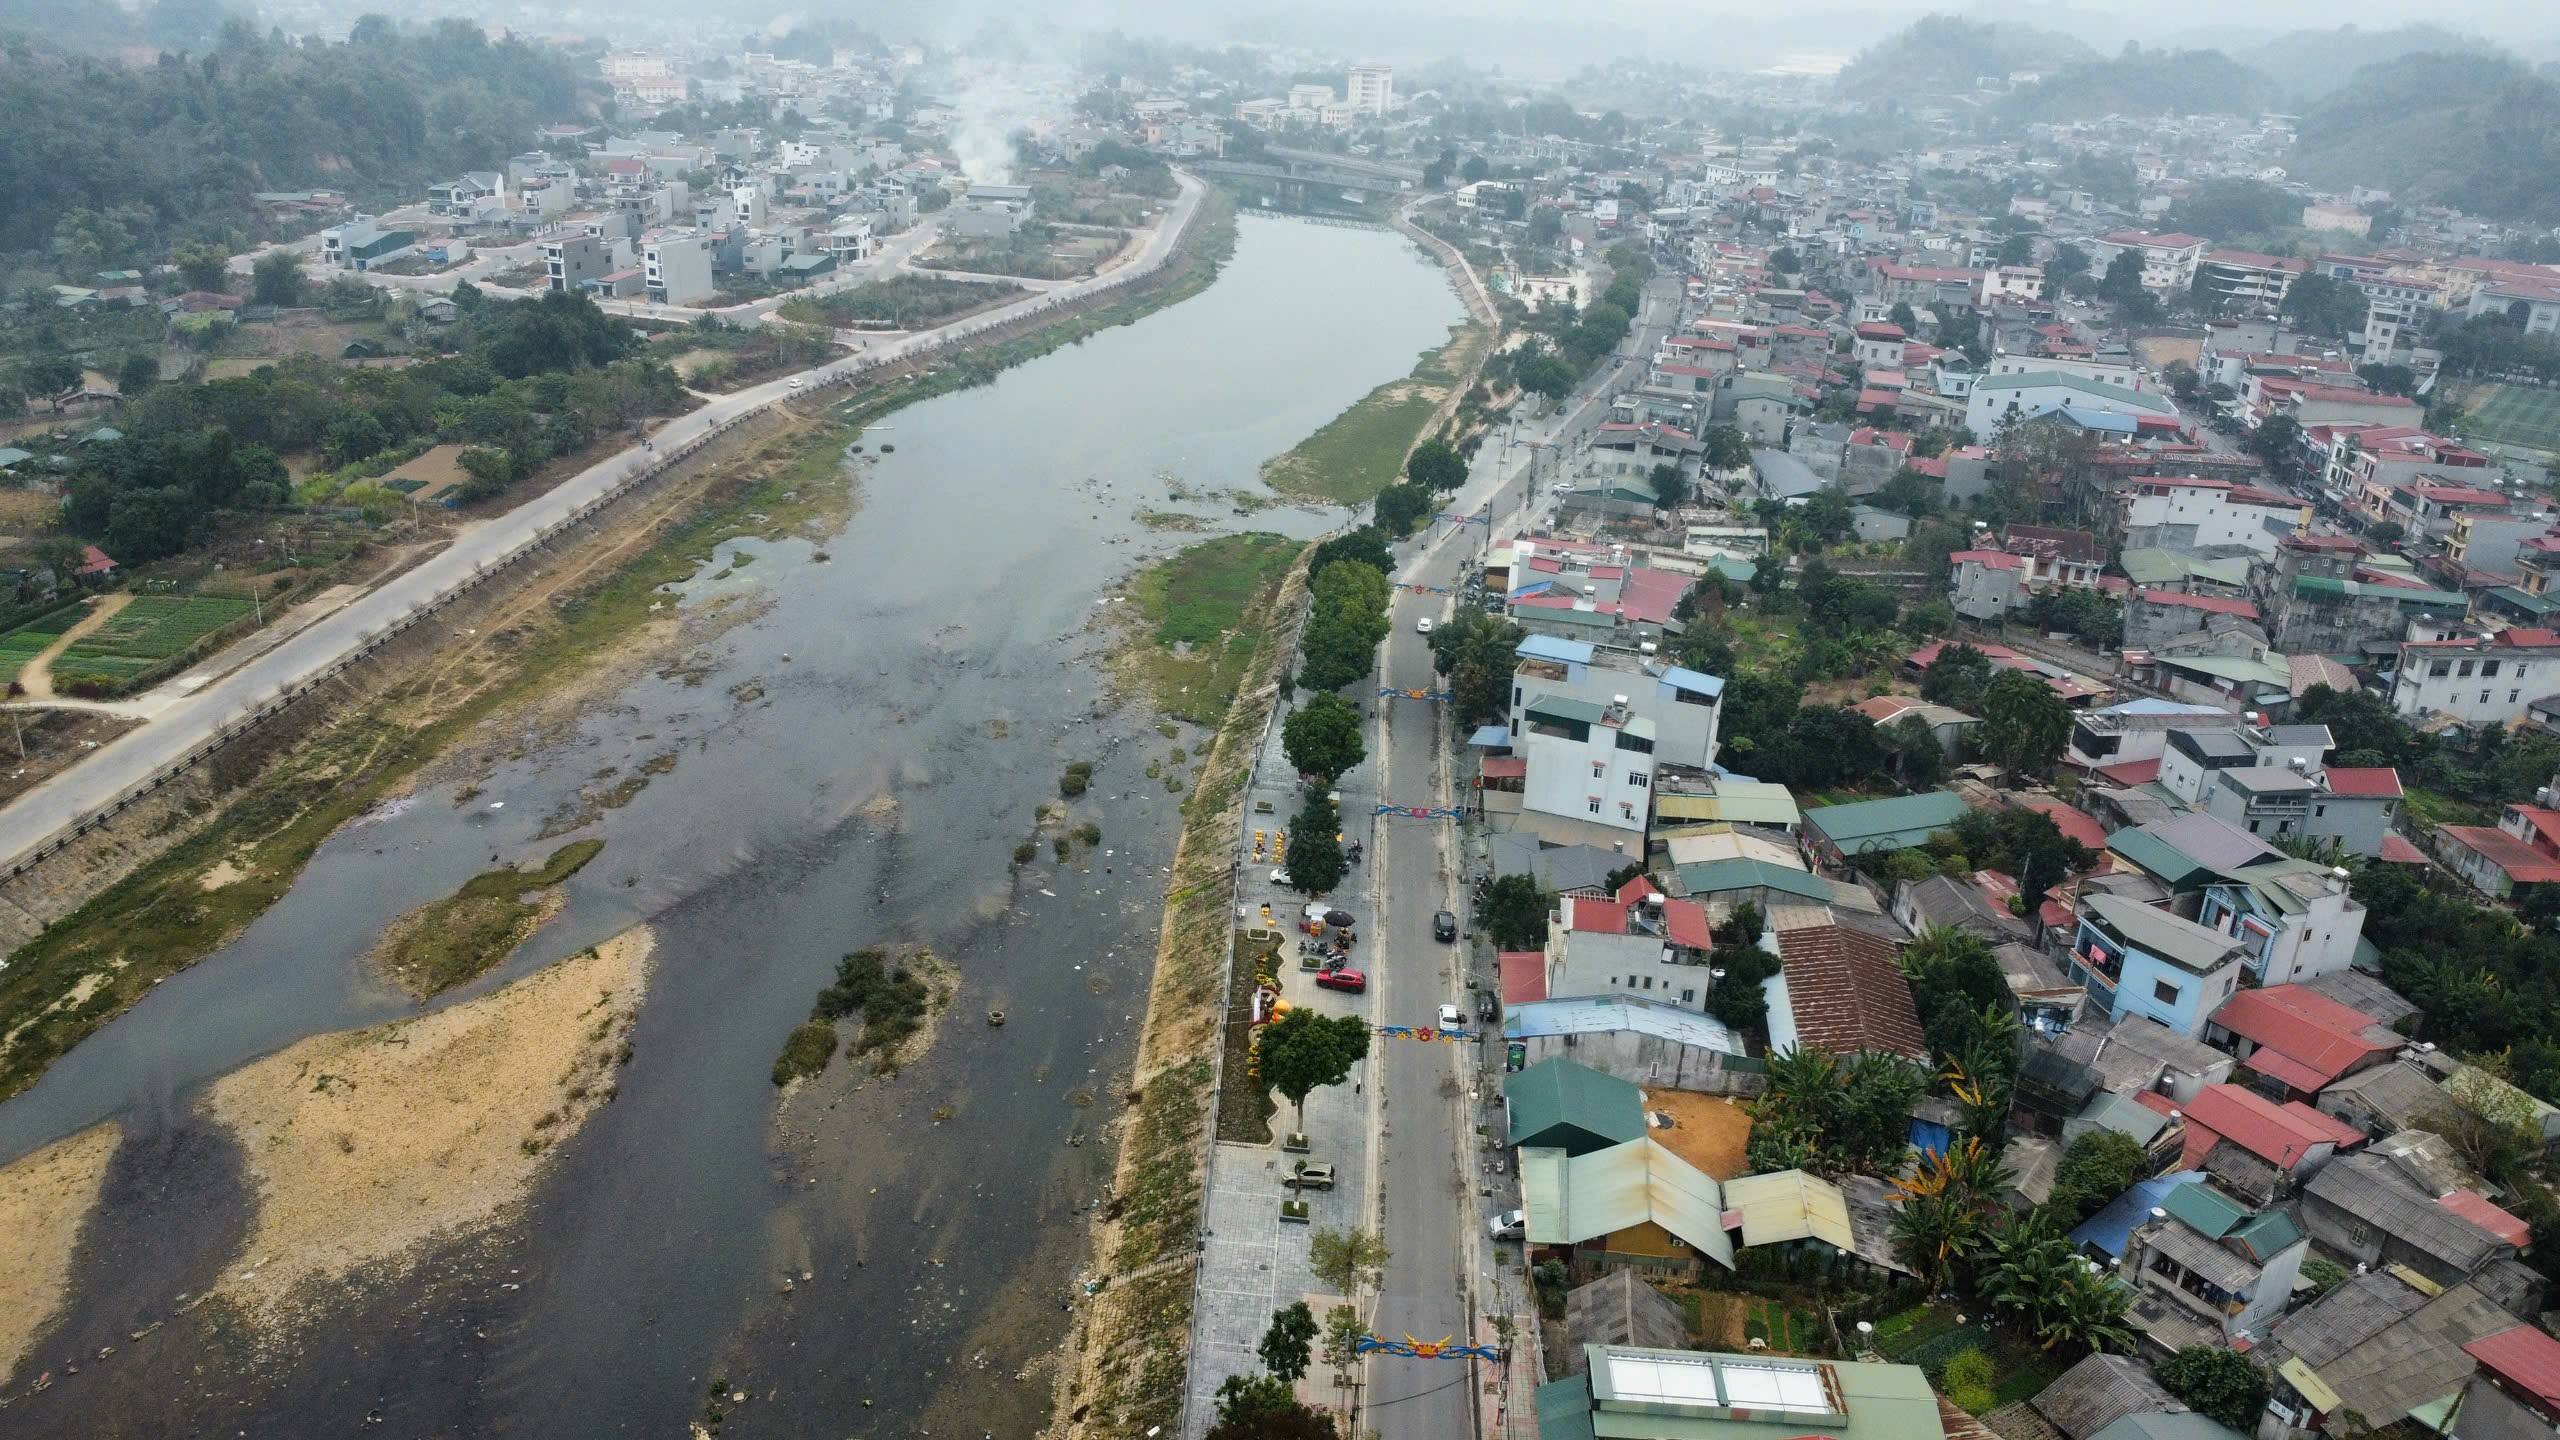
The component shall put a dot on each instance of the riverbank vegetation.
(1199, 602)
(898, 302)
(447, 942)
(1360, 452)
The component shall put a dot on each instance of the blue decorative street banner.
(1389, 692)
(1466, 519)
(1443, 1348)
(1413, 589)
(1418, 812)
(1425, 1033)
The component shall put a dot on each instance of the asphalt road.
(1434, 1222)
(131, 759)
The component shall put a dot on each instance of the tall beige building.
(1372, 88)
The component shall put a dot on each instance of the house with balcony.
(2137, 960)
(2208, 1269)
(2480, 680)
(2245, 280)
(2169, 261)
(1589, 772)
(2295, 919)
(1685, 706)
(2193, 512)
(1639, 942)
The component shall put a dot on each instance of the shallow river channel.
(910, 700)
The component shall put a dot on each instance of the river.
(922, 686)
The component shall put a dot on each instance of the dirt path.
(37, 678)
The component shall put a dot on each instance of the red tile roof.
(2322, 1038)
(1524, 976)
(2364, 780)
(1847, 994)
(2396, 851)
(2214, 604)
(2132, 772)
(2480, 1210)
(2079, 824)
(2524, 864)
(2281, 1135)
(1506, 767)
(2525, 1359)
(1594, 916)
(1650, 596)
(1988, 560)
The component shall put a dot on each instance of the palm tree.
(1933, 1233)
(1945, 1205)
(2028, 1267)
(2088, 1314)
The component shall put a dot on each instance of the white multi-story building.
(2188, 513)
(2482, 681)
(2168, 261)
(1590, 767)
(1371, 88)
(1684, 706)
(676, 267)
(2245, 278)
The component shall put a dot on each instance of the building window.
(2484, 697)
(1637, 779)
(2488, 668)
(2164, 992)
(1595, 804)
(2462, 671)
(2438, 668)
(1688, 997)
(1648, 982)
(2356, 1232)
(1599, 768)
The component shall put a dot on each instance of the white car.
(1450, 1019)
(1509, 1225)
(795, 382)
(1422, 626)
(1280, 878)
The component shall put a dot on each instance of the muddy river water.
(853, 766)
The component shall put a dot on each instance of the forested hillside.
(1942, 53)
(2142, 82)
(2305, 65)
(2466, 130)
(190, 139)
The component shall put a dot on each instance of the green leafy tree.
(1959, 677)
(2122, 284)
(1785, 261)
(2325, 306)
(1288, 1347)
(2019, 249)
(1322, 738)
(1260, 1407)
(1347, 1261)
(1726, 448)
(1435, 466)
(1477, 652)
(1670, 487)
(1364, 544)
(1315, 864)
(1303, 1051)
(1514, 912)
(1546, 222)
(1342, 1332)
(138, 373)
(2088, 1315)
(2024, 726)
(1736, 996)
(2217, 1382)
(276, 279)
(1902, 316)
(2275, 441)
(1403, 506)
(201, 266)
(2095, 1168)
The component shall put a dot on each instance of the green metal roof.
(2158, 933)
(1876, 1401)
(2357, 589)
(1713, 877)
(1564, 1409)
(1895, 824)
(2270, 671)
(1557, 614)
(2537, 604)
(1566, 707)
(2205, 1210)
(2267, 1235)
(1558, 1103)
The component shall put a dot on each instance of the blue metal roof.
(2105, 1232)
(2149, 706)
(1535, 587)
(1492, 737)
(2107, 420)
(1695, 681)
(1549, 647)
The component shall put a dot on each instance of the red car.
(1351, 980)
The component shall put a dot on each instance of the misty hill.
(383, 114)
(1939, 53)
(2142, 82)
(2308, 64)
(2476, 132)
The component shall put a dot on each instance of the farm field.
(27, 641)
(146, 632)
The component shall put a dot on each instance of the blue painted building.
(2136, 960)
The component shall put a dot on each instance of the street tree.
(1435, 466)
(1303, 1051)
(1901, 315)
(2324, 306)
(2018, 249)
(1315, 849)
(2024, 724)
(1957, 678)
(1514, 912)
(1785, 261)
(1401, 506)
(1477, 652)
(1258, 1407)
(1322, 738)
(1342, 1334)
(2180, 378)
(1288, 1347)
(1347, 1260)
(2275, 440)
(2122, 283)
(2068, 261)
(2217, 1382)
